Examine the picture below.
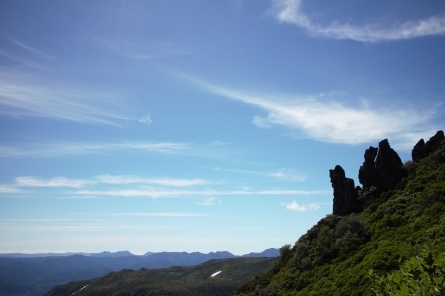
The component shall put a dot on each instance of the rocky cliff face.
(388, 167)
(422, 149)
(367, 174)
(345, 193)
(381, 171)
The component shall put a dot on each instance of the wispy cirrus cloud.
(288, 175)
(27, 55)
(290, 12)
(140, 192)
(162, 193)
(209, 201)
(281, 174)
(31, 92)
(36, 52)
(323, 117)
(61, 149)
(126, 179)
(277, 192)
(10, 189)
(160, 214)
(92, 227)
(295, 207)
(141, 50)
(23, 95)
(30, 181)
(54, 182)
(20, 59)
(131, 186)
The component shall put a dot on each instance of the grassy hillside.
(195, 280)
(334, 257)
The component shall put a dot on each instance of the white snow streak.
(215, 274)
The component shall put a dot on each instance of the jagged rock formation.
(381, 171)
(382, 168)
(422, 149)
(367, 174)
(345, 193)
(388, 167)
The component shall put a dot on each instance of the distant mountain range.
(272, 252)
(35, 274)
(214, 277)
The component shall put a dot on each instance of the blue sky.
(201, 125)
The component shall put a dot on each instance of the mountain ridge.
(214, 277)
(36, 275)
(270, 251)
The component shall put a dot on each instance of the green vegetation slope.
(335, 256)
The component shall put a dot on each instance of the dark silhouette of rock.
(367, 173)
(388, 166)
(381, 171)
(417, 153)
(345, 193)
(422, 149)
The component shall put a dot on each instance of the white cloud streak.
(290, 12)
(295, 207)
(22, 95)
(155, 193)
(126, 179)
(281, 174)
(149, 192)
(57, 182)
(163, 214)
(141, 50)
(324, 118)
(209, 201)
(288, 175)
(28, 56)
(69, 148)
(53, 182)
(130, 186)
(35, 51)
(20, 59)
(70, 228)
(9, 189)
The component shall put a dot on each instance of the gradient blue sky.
(201, 125)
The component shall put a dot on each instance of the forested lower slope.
(334, 256)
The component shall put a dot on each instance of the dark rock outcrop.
(367, 173)
(422, 149)
(388, 167)
(345, 193)
(381, 171)
(417, 153)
